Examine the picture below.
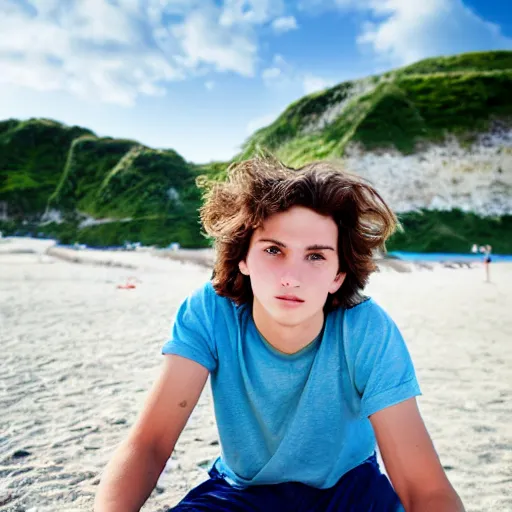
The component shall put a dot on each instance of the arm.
(133, 471)
(411, 460)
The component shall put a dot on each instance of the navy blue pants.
(363, 489)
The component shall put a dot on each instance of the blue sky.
(199, 76)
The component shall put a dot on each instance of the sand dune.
(79, 355)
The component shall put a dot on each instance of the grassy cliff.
(424, 102)
(32, 156)
(146, 195)
(122, 179)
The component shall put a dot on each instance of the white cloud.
(433, 27)
(115, 51)
(284, 24)
(312, 83)
(250, 11)
(279, 60)
(282, 75)
(260, 122)
(279, 74)
(93, 53)
(269, 74)
(204, 41)
(401, 31)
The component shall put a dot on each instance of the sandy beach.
(79, 355)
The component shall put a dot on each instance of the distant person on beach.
(307, 373)
(487, 249)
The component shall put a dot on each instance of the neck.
(286, 338)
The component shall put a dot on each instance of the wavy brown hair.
(258, 188)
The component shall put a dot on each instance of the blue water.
(439, 256)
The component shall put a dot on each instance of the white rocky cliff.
(477, 178)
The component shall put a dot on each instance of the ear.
(242, 266)
(338, 281)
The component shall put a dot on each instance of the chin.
(289, 318)
(286, 322)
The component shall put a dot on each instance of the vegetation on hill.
(474, 61)
(451, 231)
(146, 195)
(32, 155)
(122, 179)
(141, 194)
(424, 102)
(159, 231)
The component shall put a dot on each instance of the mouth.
(289, 298)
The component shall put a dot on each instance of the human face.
(293, 265)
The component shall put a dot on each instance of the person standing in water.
(307, 372)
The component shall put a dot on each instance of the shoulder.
(377, 357)
(206, 293)
(365, 313)
(367, 328)
(206, 300)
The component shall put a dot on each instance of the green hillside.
(473, 62)
(451, 231)
(147, 195)
(458, 95)
(46, 165)
(32, 156)
(120, 179)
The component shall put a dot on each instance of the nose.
(288, 281)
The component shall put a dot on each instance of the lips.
(289, 298)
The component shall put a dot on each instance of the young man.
(307, 373)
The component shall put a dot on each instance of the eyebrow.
(314, 247)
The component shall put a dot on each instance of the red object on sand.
(129, 285)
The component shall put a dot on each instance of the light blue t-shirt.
(300, 417)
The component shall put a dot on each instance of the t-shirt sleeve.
(383, 371)
(192, 332)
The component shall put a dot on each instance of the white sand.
(79, 354)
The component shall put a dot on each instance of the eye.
(273, 250)
(315, 257)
